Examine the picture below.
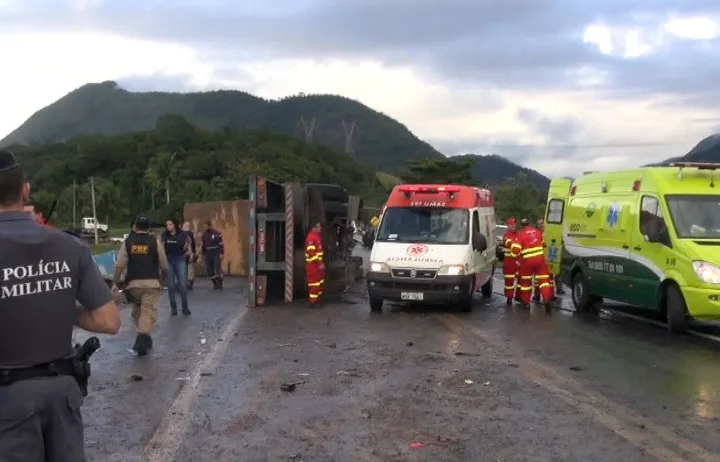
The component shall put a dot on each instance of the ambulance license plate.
(411, 295)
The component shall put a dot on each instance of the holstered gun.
(81, 362)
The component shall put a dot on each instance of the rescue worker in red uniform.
(510, 267)
(528, 248)
(540, 225)
(314, 264)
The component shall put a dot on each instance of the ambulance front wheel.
(676, 310)
(376, 304)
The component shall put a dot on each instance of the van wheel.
(581, 297)
(487, 288)
(466, 303)
(376, 304)
(677, 315)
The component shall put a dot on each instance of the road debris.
(469, 382)
(136, 378)
(291, 386)
(575, 368)
(416, 445)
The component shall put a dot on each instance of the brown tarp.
(231, 219)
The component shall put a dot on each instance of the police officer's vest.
(142, 254)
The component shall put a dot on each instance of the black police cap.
(142, 221)
(8, 161)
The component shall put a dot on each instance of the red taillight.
(636, 185)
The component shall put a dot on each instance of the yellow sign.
(374, 221)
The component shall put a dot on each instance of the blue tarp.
(106, 262)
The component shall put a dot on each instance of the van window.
(556, 208)
(433, 225)
(651, 213)
(695, 216)
(476, 222)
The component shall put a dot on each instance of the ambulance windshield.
(695, 216)
(433, 225)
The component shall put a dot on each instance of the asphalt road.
(415, 384)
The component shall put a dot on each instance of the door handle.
(625, 246)
(637, 247)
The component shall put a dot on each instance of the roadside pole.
(92, 195)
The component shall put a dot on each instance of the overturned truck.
(280, 217)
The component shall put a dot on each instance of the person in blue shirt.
(177, 247)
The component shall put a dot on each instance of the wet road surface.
(425, 384)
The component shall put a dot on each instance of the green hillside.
(106, 109)
(131, 171)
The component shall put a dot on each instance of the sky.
(560, 86)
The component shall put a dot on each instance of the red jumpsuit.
(314, 266)
(529, 248)
(510, 268)
(536, 290)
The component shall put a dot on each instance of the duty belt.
(52, 369)
(212, 247)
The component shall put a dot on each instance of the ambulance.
(648, 237)
(431, 246)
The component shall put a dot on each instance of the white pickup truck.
(89, 224)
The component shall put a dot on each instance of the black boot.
(143, 344)
(185, 309)
(173, 309)
(190, 285)
(536, 298)
(560, 290)
(219, 280)
(508, 302)
(548, 307)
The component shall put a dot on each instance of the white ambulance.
(434, 244)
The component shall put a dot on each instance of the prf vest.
(142, 254)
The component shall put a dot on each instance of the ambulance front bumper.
(441, 289)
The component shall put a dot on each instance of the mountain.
(707, 150)
(492, 169)
(107, 109)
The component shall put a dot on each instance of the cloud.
(570, 82)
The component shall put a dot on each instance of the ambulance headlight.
(379, 267)
(707, 272)
(451, 270)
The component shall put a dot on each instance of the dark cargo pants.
(213, 265)
(40, 421)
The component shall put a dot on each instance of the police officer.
(143, 256)
(43, 271)
(213, 249)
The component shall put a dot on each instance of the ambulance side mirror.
(479, 242)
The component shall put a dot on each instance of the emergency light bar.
(429, 189)
(700, 166)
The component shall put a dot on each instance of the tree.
(439, 172)
(519, 198)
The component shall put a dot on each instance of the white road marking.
(694, 333)
(168, 438)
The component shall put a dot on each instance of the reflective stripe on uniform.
(316, 284)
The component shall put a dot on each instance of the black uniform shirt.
(43, 271)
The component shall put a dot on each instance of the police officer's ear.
(26, 191)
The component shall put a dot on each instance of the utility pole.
(74, 202)
(308, 128)
(92, 196)
(349, 131)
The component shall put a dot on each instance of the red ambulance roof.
(439, 195)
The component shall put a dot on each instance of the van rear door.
(554, 219)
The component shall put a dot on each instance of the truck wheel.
(581, 297)
(676, 308)
(487, 288)
(376, 304)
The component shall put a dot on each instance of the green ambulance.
(648, 237)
